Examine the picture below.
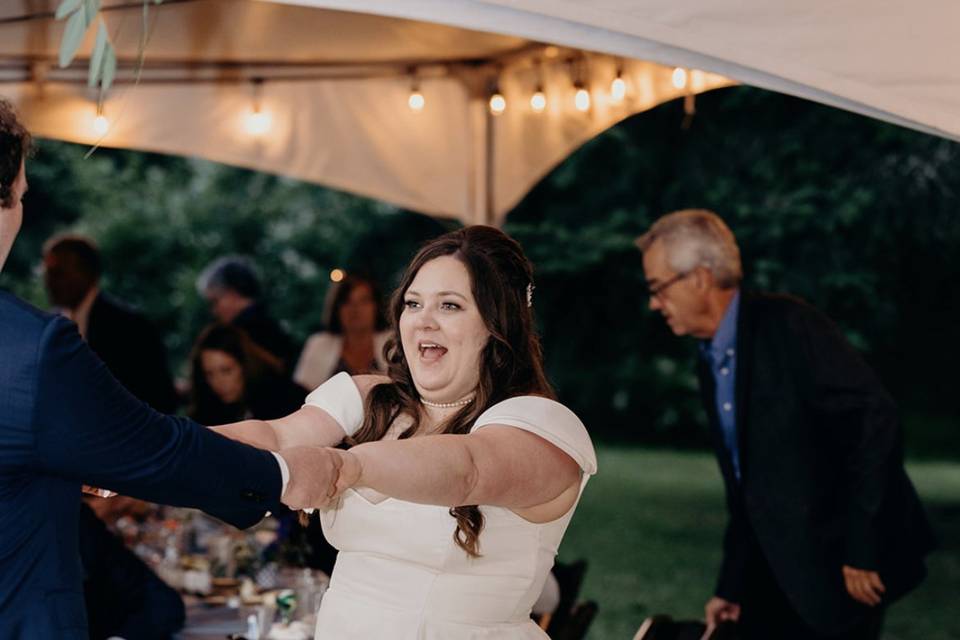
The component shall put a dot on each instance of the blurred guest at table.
(234, 379)
(354, 337)
(123, 338)
(124, 597)
(232, 288)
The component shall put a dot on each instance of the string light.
(538, 101)
(337, 275)
(498, 103)
(582, 98)
(679, 78)
(618, 88)
(257, 122)
(101, 125)
(416, 101)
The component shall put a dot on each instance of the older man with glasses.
(825, 529)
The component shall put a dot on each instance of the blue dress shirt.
(720, 353)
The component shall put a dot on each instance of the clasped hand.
(318, 475)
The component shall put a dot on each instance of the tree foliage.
(859, 217)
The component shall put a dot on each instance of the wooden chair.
(663, 627)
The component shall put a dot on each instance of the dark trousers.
(766, 613)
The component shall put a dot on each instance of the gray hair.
(697, 238)
(230, 273)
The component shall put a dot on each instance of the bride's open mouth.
(431, 351)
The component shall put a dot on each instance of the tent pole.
(489, 214)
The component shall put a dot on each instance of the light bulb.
(538, 101)
(337, 275)
(416, 100)
(497, 104)
(258, 123)
(582, 99)
(618, 89)
(101, 125)
(679, 78)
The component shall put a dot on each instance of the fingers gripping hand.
(314, 472)
(350, 471)
(863, 586)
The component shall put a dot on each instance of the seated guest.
(124, 598)
(232, 289)
(234, 379)
(123, 338)
(354, 337)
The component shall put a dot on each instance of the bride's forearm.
(429, 470)
(257, 433)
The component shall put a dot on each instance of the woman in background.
(354, 339)
(234, 379)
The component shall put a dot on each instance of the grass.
(650, 525)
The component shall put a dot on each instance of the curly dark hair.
(511, 363)
(15, 145)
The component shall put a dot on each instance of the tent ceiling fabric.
(887, 59)
(337, 77)
(335, 89)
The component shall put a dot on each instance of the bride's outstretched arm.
(497, 465)
(308, 426)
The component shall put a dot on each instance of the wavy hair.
(511, 363)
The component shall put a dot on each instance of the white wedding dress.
(399, 574)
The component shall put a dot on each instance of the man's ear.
(703, 278)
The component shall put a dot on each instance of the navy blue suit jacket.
(64, 420)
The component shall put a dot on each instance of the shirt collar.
(725, 339)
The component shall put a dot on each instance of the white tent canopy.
(336, 77)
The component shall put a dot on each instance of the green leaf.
(109, 68)
(66, 7)
(96, 57)
(72, 37)
(90, 10)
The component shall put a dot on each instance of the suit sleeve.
(849, 396)
(736, 549)
(90, 429)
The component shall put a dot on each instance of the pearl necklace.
(449, 405)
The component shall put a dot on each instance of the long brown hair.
(256, 363)
(511, 363)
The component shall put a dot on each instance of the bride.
(462, 473)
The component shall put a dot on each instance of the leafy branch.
(79, 16)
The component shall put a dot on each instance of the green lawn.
(650, 525)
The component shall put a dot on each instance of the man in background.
(232, 289)
(825, 529)
(123, 338)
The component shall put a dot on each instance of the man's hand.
(863, 586)
(350, 470)
(313, 476)
(719, 610)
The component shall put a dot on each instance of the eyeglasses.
(657, 290)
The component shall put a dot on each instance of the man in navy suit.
(64, 421)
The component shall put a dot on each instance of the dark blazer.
(133, 351)
(64, 420)
(267, 334)
(124, 597)
(822, 477)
